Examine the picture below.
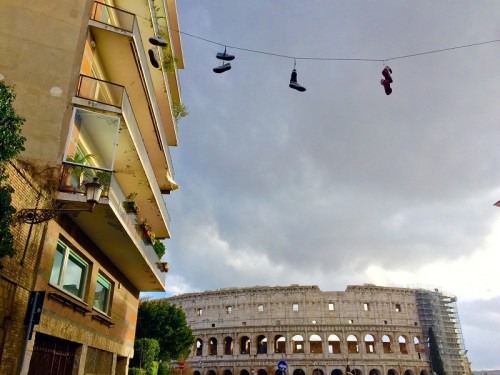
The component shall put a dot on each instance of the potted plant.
(159, 248)
(147, 233)
(76, 173)
(130, 204)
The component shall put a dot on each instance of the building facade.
(369, 330)
(97, 84)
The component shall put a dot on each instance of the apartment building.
(364, 330)
(97, 84)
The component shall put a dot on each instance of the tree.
(145, 353)
(165, 322)
(11, 144)
(436, 361)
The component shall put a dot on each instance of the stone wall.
(376, 330)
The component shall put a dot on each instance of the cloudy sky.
(342, 184)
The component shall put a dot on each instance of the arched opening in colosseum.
(369, 344)
(227, 372)
(392, 372)
(402, 344)
(299, 372)
(298, 345)
(386, 344)
(196, 372)
(262, 372)
(261, 344)
(409, 372)
(245, 345)
(424, 372)
(352, 344)
(244, 372)
(212, 346)
(228, 345)
(315, 345)
(318, 371)
(357, 371)
(279, 344)
(198, 347)
(337, 372)
(211, 372)
(416, 342)
(333, 344)
(374, 371)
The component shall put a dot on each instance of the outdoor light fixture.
(93, 191)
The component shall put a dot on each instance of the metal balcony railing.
(75, 176)
(113, 16)
(100, 91)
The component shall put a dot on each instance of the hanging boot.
(293, 82)
(158, 40)
(386, 82)
(153, 58)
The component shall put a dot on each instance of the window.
(102, 294)
(331, 306)
(229, 309)
(351, 321)
(199, 312)
(398, 307)
(295, 307)
(366, 306)
(260, 308)
(69, 271)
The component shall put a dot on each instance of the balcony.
(118, 38)
(108, 137)
(118, 237)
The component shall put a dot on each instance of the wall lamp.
(93, 191)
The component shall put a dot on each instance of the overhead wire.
(335, 58)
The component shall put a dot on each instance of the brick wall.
(19, 272)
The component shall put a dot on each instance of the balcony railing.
(100, 91)
(113, 16)
(75, 176)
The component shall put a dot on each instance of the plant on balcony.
(180, 110)
(130, 205)
(159, 248)
(11, 144)
(75, 174)
(146, 232)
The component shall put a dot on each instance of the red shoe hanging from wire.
(387, 80)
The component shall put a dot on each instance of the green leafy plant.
(11, 144)
(79, 172)
(159, 248)
(180, 110)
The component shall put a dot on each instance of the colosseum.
(365, 330)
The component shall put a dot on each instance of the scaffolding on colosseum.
(439, 312)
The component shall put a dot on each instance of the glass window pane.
(92, 139)
(75, 274)
(57, 265)
(102, 293)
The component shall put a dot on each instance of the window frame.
(107, 302)
(63, 268)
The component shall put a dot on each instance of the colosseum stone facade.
(367, 329)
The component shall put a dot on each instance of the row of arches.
(316, 371)
(334, 345)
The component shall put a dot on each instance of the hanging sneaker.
(387, 86)
(293, 82)
(153, 58)
(222, 68)
(158, 40)
(225, 56)
(387, 73)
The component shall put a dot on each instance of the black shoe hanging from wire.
(225, 66)
(225, 56)
(293, 80)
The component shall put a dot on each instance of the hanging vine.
(11, 144)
